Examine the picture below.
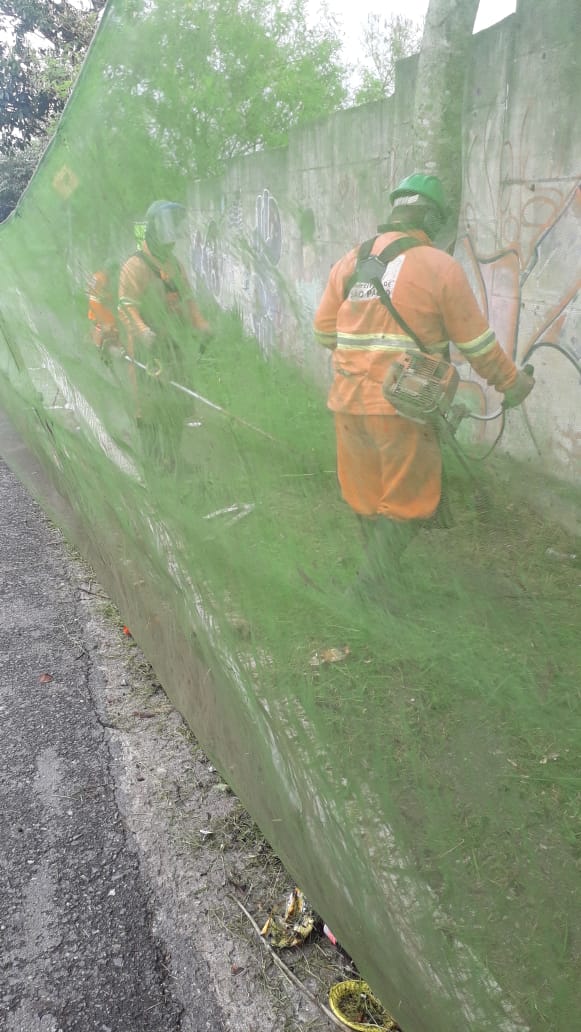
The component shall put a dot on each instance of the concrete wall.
(266, 233)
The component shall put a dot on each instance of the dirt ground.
(200, 850)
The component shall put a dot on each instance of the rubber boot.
(366, 525)
(379, 579)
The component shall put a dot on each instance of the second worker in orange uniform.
(163, 331)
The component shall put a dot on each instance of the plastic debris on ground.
(332, 938)
(294, 926)
(564, 557)
(358, 1008)
(335, 655)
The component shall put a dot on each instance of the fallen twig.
(287, 971)
(95, 594)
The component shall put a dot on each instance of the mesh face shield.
(164, 220)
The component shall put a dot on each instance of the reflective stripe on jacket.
(431, 291)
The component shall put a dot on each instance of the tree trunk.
(439, 94)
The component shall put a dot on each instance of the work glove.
(520, 389)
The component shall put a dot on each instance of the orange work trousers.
(388, 466)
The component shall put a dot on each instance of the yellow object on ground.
(357, 1007)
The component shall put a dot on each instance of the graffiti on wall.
(523, 239)
(206, 259)
(531, 298)
(266, 303)
(521, 249)
(239, 266)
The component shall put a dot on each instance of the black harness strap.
(386, 300)
(370, 268)
(170, 285)
(396, 248)
(386, 256)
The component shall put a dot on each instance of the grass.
(465, 708)
(454, 721)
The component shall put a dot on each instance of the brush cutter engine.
(421, 387)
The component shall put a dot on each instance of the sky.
(353, 14)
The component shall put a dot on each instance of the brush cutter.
(422, 387)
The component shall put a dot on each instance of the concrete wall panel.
(520, 220)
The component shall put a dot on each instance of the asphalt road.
(77, 948)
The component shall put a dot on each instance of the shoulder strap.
(363, 253)
(398, 247)
(386, 300)
(365, 249)
(148, 261)
(170, 285)
(386, 256)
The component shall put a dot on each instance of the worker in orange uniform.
(102, 311)
(161, 325)
(390, 467)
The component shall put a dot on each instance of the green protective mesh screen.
(416, 768)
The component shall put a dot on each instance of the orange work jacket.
(431, 291)
(155, 295)
(101, 312)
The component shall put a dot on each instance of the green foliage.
(417, 768)
(385, 42)
(45, 43)
(247, 73)
(58, 23)
(16, 170)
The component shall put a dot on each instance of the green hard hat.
(428, 187)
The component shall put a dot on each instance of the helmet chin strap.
(433, 222)
(430, 224)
